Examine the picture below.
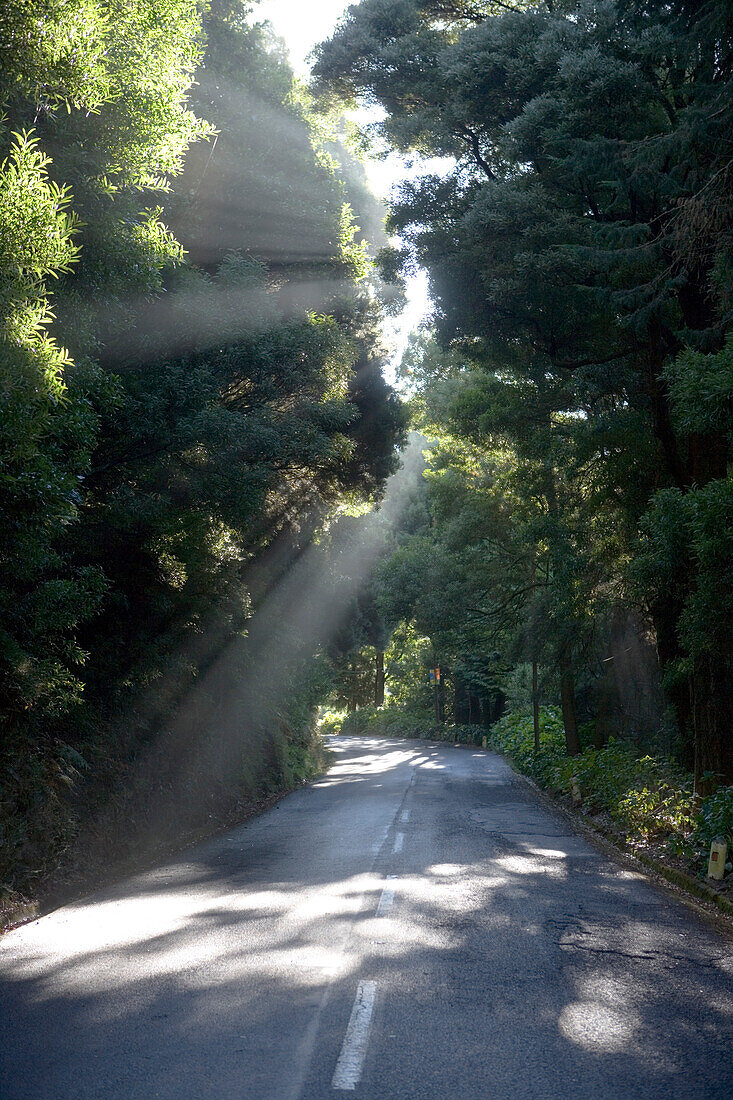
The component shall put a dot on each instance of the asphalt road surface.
(414, 924)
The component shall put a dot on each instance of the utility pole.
(535, 709)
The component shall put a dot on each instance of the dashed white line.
(353, 1052)
(399, 840)
(385, 901)
(382, 837)
(405, 815)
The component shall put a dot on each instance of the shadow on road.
(532, 950)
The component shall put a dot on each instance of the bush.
(409, 722)
(514, 735)
(365, 720)
(462, 734)
(646, 797)
(330, 722)
(714, 819)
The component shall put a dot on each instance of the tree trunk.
(535, 708)
(712, 714)
(379, 678)
(569, 716)
(461, 701)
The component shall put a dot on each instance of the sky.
(303, 24)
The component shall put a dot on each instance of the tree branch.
(471, 137)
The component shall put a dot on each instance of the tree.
(218, 397)
(586, 142)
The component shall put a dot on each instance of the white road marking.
(385, 901)
(304, 1052)
(378, 843)
(353, 1052)
(399, 840)
(405, 815)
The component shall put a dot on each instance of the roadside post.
(716, 863)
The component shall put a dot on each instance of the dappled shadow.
(516, 961)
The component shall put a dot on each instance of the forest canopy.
(578, 375)
(190, 382)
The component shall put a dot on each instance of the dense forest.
(191, 385)
(575, 530)
(196, 434)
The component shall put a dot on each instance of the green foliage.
(692, 527)
(463, 734)
(330, 722)
(648, 799)
(407, 660)
(221, 395)
(645, 797)
(45, 440)
(405, 721)
(37, 786)
(701, 389)
(577, 244)
(354, 675)
(61, 62)
(514, 735)
(714, 819)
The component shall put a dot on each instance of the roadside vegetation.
(195, 426)
(190, 386)
(645, 801)
(568, 551)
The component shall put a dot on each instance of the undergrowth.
(70, 813)
(409, 722)
(650, 800)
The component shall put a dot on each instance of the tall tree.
(585, 142)
(219, 394)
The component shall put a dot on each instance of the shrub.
(330, 722)
(465, 734)
(409, 722)
(514, 735)
(645, 796)
(714, 819)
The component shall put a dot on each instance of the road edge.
(696, 895)
(682, 887)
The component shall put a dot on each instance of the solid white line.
(353, 1052)
(399, 840)
(405, 815)
(385, 901)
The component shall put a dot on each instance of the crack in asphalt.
(648, 955)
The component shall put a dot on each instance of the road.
(416, 924)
